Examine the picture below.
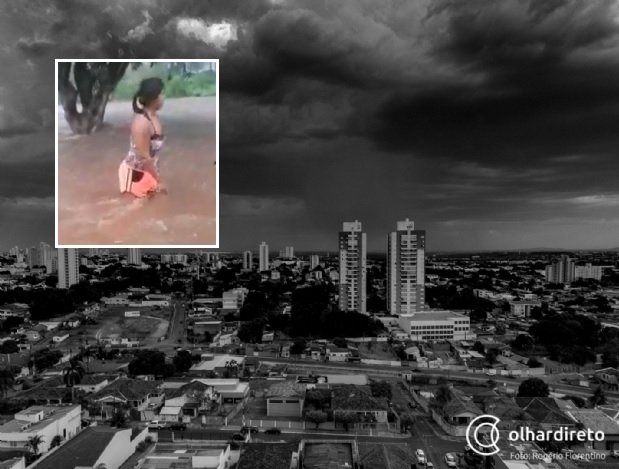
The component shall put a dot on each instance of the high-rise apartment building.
(52, 262)
(289, 252)
(248, 260)
(353, 263)
(33, 257)
(68, 267)
(134, 256)
(314, 261)
(93, 252)
(562, 271)
(406, 269)
(264, 256)
(43, 253)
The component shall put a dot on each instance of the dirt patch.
(130, 327)
(376, 351)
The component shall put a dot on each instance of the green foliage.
(381, 389)
(9, 346)
(182, 361)
(534, 363)
(533, 387)
(598, 397)
(316, 416)
(523, 342)
(151, 362)
(177, 85)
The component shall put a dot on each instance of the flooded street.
(92, 211)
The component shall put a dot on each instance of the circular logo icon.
(485, 425)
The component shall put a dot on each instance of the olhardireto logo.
(487, 426)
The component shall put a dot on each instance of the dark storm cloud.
(543, 81)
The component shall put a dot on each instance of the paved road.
(382, 372)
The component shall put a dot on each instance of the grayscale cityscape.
(417, 256)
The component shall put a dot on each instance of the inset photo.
(137, 150)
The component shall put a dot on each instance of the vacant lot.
(376, 351)
(112, 323)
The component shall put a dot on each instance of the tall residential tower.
(352, 288)
(406, 269)
(68, 267)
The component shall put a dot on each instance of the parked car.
(421, 455)
(238, 437)
(273, 431)
(614, 453)
(429, 465)
(450, 460)
(177, 427)
(244, 430)
(156, 424)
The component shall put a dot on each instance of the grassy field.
(113, 323)
(196, 85)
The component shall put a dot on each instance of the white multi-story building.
(289, 252)
(44, 252)
(92, 252)
(68, 267)
(523, 308)
(52, 262)
(134, 256)
(590, 271)
(406, 269)
(247, 259)
(234, 299)
(314, 261)
(44, 421)
(562, 271)
(353, 264)
(264, 256)
(174, 259)
(436, 325)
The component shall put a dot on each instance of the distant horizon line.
(310, 252)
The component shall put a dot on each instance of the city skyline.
(493, 134)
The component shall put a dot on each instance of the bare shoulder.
(139, 125)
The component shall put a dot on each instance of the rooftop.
(386, 455)
(286, 389)
(51, 414)
(352, 397)
(127, 389)
(325, 455)
(596, 420)
(84, 450)
(267, 455)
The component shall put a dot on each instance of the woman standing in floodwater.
(139, 172)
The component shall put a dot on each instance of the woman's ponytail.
(137, 109)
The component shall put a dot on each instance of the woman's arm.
(140, 133)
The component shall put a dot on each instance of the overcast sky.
(492, 125)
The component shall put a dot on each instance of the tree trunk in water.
(93, 87)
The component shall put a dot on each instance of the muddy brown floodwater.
(91, 209)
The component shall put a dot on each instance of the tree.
(232, 369)
(56, 441)
(72, 375)
(119, 419)
(298, 346)
(149, 362)
(500, 329)
(381, 389)
(7, 379)
(598, 398)
(346, 418)
(339, 342)
(315, 398)
(9, 346)
(534, 363)
(537, 313)
(523, 342)
(316, 416)
(479, 347)
(533, 387)
(406, 421)
(182, 361)
(34, 442)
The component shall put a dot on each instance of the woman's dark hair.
(149, 90)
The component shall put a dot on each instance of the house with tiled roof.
(285, 399)
(359, 399)
(187, 401)
(510, 414)
(387, 455)
(95, 382)
(94, 447)
(267, 456)
(547, 411)
(597, 421)
(608, 378)
(460, 409)
(142, 396)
